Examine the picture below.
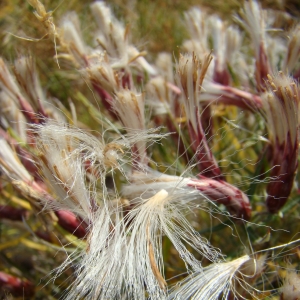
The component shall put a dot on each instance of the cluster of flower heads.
(124, 223)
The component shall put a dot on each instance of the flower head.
(281, 109)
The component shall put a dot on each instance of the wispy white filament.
(124, 255)
(211, 283)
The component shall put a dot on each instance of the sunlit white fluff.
(65, 174)
(124, 255)
(188, 191)
(162, 214)
(148, 183)
(116, 263)
(99, 267)
(211, 283)
(77, 149)
(129, 105)
(95, 154)
(167, 214)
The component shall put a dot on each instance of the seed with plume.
(210, 282)
(188, 190)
